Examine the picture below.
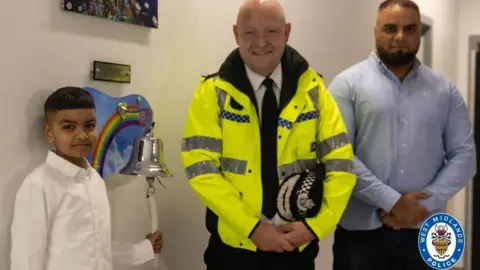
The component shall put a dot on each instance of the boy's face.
(72, 131)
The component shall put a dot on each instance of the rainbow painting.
(116, 132)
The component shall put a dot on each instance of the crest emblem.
(441, 241)
(304, 202)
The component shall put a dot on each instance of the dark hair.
(67, 98)
(402, 3)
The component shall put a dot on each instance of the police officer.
(266, 117)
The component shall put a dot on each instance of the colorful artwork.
(139, 12)
(116, 131)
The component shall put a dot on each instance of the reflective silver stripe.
(339, 165)
(313, 94)
(201, 168)
(332, 143)
(296, 167)
(234, 165)
(221, 97)
(202, 142)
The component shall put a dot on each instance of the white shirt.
(256, 80)
(62, 221)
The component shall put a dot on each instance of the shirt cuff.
(431, 203)
(388, 198)
(143, 252)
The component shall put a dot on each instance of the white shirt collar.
(65, 167)
(256, 80)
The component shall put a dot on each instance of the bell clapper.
(151, 187)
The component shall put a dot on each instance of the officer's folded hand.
(268, 237)
(297, 234)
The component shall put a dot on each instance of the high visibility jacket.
(221, 154)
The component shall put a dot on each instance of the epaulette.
(208, 76)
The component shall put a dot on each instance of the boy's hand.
(156, 239)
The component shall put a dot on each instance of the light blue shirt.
(407, 136)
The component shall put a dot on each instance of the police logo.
(441, 241)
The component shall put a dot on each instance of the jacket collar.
(293, 65)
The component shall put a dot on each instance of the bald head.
(261, 33)
(271, 7)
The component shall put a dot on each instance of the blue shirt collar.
(375, 60)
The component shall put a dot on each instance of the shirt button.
(404, 145)
(401, 171)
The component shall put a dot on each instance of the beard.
(396, 59)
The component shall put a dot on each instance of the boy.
(62, 214)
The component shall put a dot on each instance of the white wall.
(421, 51)
(445, 27)
(55, 49)
(469, 25)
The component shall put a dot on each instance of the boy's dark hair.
(402, 3)
(67, 98)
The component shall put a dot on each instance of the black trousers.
(380, 249)
(219, 256)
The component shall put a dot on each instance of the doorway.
(426, 45)
(472, 202)
(475, 193)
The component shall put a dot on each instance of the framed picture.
(138, 12)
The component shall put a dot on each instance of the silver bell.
(147, 152)
(147, 158)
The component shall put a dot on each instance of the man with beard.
(263, 118)
(413, 146)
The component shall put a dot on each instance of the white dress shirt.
(256, 80)
(62, 221)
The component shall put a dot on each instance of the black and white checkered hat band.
(304, 202)
(300, 192)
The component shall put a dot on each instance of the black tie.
(270, 180)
